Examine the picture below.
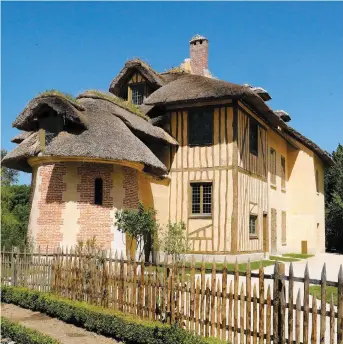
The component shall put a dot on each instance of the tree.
(8, 175)
(139, 224)
(174, 240)
(14, 208)
(334, 201)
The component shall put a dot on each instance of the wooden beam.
(234, 218)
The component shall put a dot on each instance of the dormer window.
(50, 124)
(137, 93)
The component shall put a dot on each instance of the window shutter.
(284, 226)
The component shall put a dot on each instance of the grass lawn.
(284, 259)
(315, 290)
(298, 255)
(231, 266)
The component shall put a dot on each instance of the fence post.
(268, 317)
(248, 304)
(332, 320)
(13, 268)
(290, 303)
(314, 321)
(275, 303)
(297, 319)
(340, 307)
(261, 311)
(306, 305)
(224, 299)
(323, 305)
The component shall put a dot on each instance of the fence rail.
(242, 307)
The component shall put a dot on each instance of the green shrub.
(173, 240)
(107, 322)
(23, 335)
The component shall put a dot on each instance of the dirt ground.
(65, 333)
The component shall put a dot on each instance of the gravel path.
(65, 333)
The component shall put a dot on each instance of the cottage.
(200, 150)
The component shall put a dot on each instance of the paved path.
(63, 332)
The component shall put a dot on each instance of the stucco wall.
(277, 194)
(306, 206)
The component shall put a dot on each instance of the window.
(253, 225)
(272, 166)
(98, 191)
(253, 137)
(283, 225)
(50, 125)
(200, 127)
(317, 181)
(283, 173)
(201, 198)
(137, 93)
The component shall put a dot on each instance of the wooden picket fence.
(242, 307)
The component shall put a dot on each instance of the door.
(273, 248)
(265, 234)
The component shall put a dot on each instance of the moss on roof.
(54, 92)
(116, 100)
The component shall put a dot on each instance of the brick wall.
(95, 220)
(50, 205)
(48, 219)
(199, 57)
(130, 188)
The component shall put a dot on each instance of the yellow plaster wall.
(70, 213)
(277, 195)
(155, 193)
(117, 194)
(34, 213)
(305, 206)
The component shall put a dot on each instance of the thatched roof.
(322, 154)
(17, 158)
(188, 89)
(21, 137)
(111, 135)
(27, 119)
(152, 76)
(115, 100)
(139, 125)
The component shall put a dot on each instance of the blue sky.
(292, 49)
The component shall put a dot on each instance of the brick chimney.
(199, 55)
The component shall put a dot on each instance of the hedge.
(104, 321)
(23, 335)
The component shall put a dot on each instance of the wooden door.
(265, 234)
(273, 248)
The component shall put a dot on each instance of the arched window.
(98, 191)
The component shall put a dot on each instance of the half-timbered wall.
(210, 163)
(252, 181)
(256, 164)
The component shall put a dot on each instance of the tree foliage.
(334, 200)
(14, 208)
(140, 224)
(174, 240)
(8, 175)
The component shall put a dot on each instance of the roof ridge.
(122, 103)
(65, 96)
